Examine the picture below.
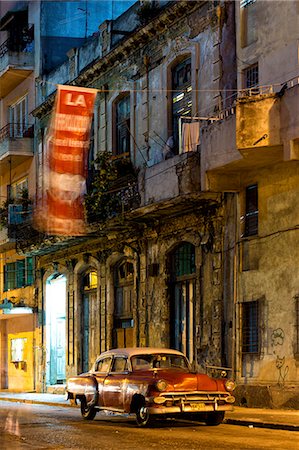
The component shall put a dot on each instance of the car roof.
(139, 351)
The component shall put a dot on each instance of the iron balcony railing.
(19, 42)
(16, 130)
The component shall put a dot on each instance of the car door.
(102, 368)
(114, 392)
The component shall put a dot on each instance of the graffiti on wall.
(277, 339)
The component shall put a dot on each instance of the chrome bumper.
(187, 409)
(193, 402)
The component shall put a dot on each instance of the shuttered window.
(18, 274)
(251, 210)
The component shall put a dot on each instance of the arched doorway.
(123, 304)
(55, 329)
(182, 293)
(89, 318)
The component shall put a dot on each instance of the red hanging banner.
(66, 157)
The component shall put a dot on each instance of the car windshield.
(159, 361)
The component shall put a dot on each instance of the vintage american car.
(150, 383)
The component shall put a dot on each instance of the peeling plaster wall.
(275, 44)
(152, 298)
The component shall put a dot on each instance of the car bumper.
(197, 408)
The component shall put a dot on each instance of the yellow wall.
(21, 375)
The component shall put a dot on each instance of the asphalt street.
(29, 426)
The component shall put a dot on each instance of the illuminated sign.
(61, 209)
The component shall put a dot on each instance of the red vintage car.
(150, 383)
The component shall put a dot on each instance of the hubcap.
(143, 412)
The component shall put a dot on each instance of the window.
(122, 110)
(103, 365)
(120, 364)
(90, 281)
(124, 287)
(182, 297)
(244, 3)
(251, 77)
(251, 211)
(250, 327)
(17, 349)
(18, 117)
(123, 304)
(18, 274)
(181, 96)
(18, 190)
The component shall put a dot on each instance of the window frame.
(16, 110)
(122, 126)
(100, 360)
(251, 72)
(251, 211)
(18, 274)
(185, 104)
(115, 358)
(252, 322)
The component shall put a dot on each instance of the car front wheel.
(215, 418)
(87, 412)
(143, 417)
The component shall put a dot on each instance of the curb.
(36, 402)
(253, 424)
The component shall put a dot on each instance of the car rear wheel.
(215, 418)
(143, 417)
(87, 412)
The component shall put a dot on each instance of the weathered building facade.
(28, 48)
(191, 197)
(251, 155)
(152, 273)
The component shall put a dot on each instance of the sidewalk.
(279, 419)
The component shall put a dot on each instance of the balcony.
(16, 60)
(172, 187)
(16, 145)
(262, 129)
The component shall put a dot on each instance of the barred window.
(250, 327)
(251, 76)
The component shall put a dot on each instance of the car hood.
(178, 381)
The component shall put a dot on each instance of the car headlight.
(161, 385)
(230, 385)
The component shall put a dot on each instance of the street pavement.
(281, 419)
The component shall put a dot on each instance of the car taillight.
(230, 385)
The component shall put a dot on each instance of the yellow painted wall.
(21, 375)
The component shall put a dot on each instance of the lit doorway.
(89, 317)
(55, 329)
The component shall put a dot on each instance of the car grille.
(196, 396)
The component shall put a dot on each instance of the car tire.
(143, 417)
(215, 418)
(87, 412)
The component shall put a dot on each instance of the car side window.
(103, 365)
(120, 364)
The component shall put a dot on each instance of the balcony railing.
(16, 130)
(19, 43)
(115, 202)
(19, 214)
